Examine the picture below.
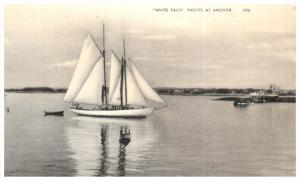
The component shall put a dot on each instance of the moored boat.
(55, 113)
(241, 102)
(142, 112)
(128, 93)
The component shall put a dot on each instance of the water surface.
(194, 136)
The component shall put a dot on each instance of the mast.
(121, 87)
(104, 70)
(125, 77)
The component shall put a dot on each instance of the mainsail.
(144, 87)
(115, 71)
(134, 95)
(91, 91)
(89, 56)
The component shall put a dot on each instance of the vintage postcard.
(202, 90)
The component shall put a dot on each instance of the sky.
(206, 49)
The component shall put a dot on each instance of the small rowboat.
(240, 103)
(55, 113)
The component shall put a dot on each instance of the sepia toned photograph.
(203, 90)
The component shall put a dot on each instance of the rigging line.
(89, 33)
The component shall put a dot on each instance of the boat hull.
(134, 113)
(56, 113)
(240, 104)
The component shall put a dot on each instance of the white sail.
(91, 91)
(88, 57)
(115, 98)
(134, 95)
(144, 87)
(115, 70)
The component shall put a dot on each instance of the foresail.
(91, 91)
(88, 57)
(134, 96)
(144, 87)
(115, 70)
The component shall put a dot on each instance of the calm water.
(194, 136)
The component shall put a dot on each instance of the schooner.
(128, 94)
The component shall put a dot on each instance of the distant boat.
(241, 103)
(55, 113)
(128, 94)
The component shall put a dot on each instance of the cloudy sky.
(171, 49)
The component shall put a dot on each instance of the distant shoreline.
(36, 90)
(165, 91)
(279, 99)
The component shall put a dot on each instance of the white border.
(140, 179)
(2, 89)
(132, 2)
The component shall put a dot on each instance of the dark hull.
(55, 113)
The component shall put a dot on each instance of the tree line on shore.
(164, 91)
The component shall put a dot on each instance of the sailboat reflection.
(109, 147)
(124, 141)
(103, 160)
